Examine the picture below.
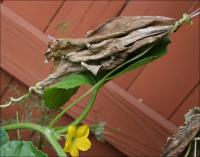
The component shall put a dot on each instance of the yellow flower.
(77, 139)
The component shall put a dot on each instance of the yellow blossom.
(77, 139)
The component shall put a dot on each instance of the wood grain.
(82, 18)
(38, 13)
(22, 48)
(192, 100)
(5, 80)
(70, 14)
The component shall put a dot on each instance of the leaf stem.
(84, 113)
(48, 133)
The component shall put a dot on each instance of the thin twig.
(13, 100)
(185, 18)
(18, 133)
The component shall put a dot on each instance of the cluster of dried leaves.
(106, 47)
(177, 144)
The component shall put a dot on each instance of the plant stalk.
(84, 113)
(48, 133)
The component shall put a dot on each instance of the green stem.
(72, 104)
(87, 109)
(48, 133)
(52, 140)
(84, 113)
(96, 86)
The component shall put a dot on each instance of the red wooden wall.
(166, 88)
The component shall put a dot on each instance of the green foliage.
(20, 148)
(17, 148)
(59, 93)
(3, 137)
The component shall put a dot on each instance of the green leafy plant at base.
(18, 148)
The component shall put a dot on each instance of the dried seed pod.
(123, 25)
(113, 28)
(176, 144)
(107, 46)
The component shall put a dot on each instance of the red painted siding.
(168, 87)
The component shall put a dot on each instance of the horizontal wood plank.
(192, 100)
(98, 13)
(82, 16)
(5, 80)
(68, 18)
(38, 13)
(22, 48)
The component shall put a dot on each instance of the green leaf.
(59, 93)
(3, 137)
(21, 149)
(144, 57)
(56, 95)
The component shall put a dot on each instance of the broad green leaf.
(3, 137)
(59, 93)
(20, 149)
(155, 52)
(56, 97)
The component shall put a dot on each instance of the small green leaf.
(21, 149)
(3, 137)
(155, 52)
(56, 97)
(59, 93)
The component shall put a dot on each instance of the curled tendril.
(13, 100)
(36, 89)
